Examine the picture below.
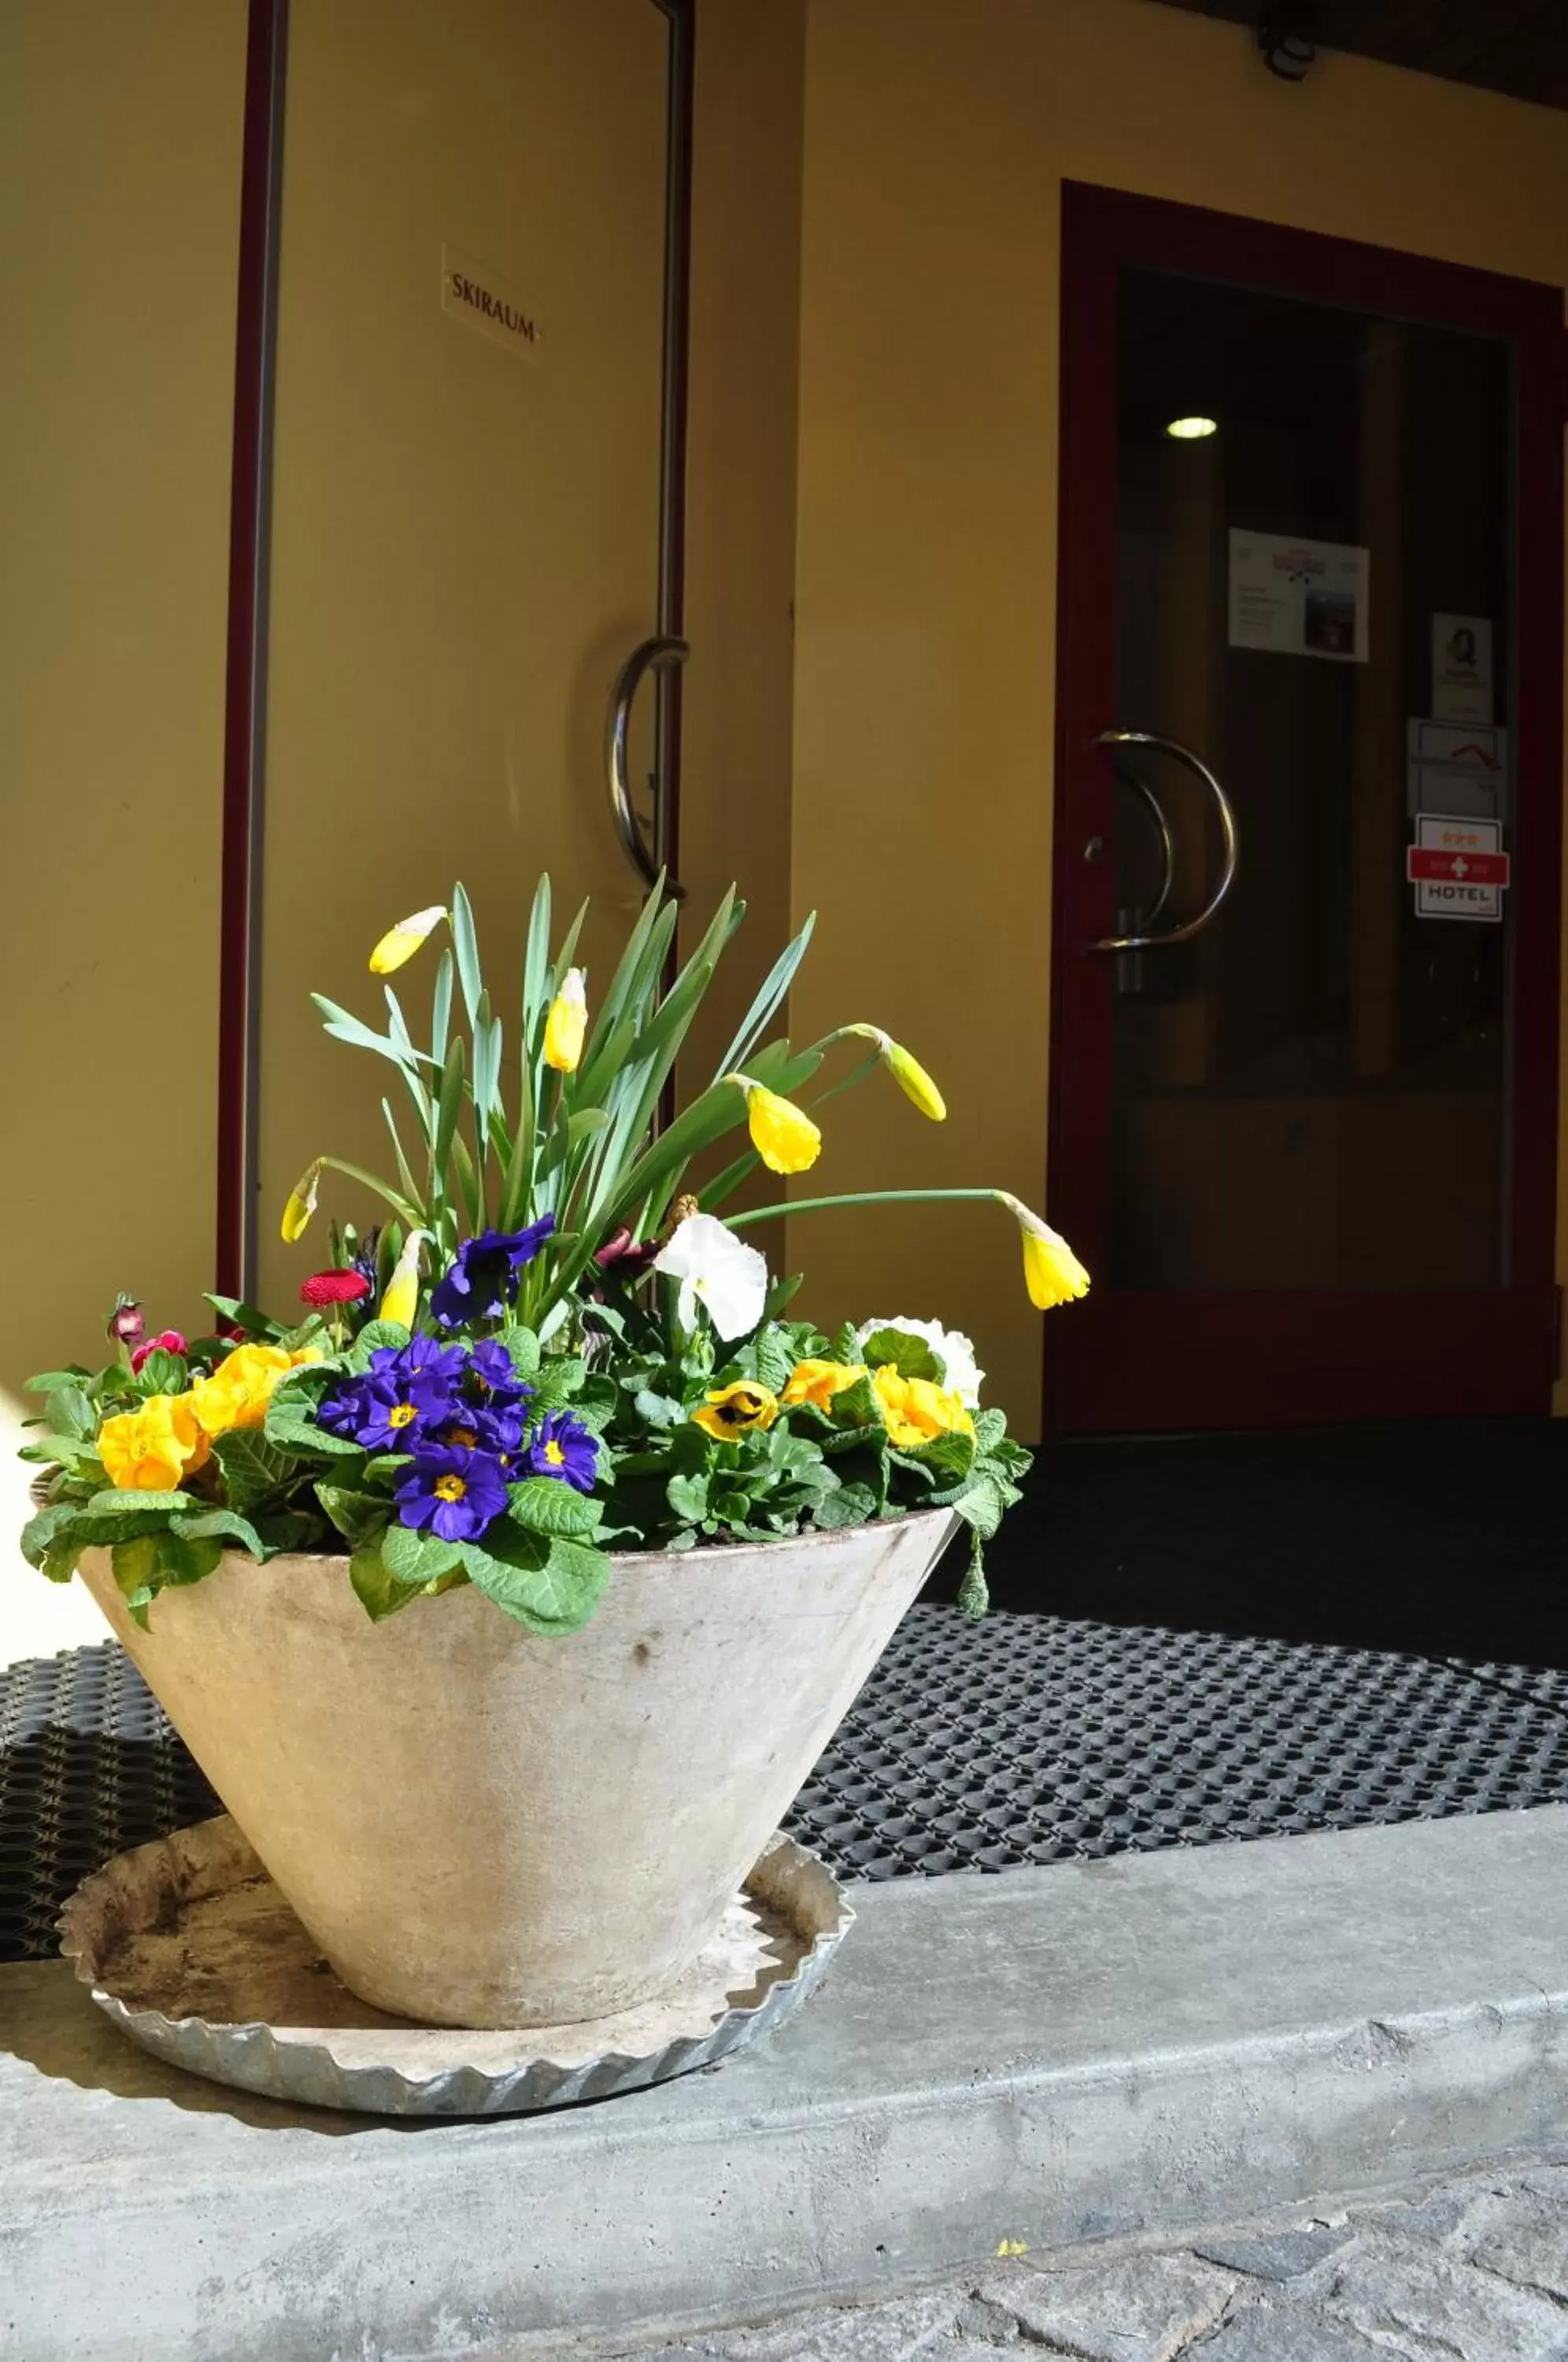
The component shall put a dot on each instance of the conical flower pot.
(482, 1828)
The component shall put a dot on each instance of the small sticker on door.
(1458, 867)
(480, 299)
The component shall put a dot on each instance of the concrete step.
(1150, 2043)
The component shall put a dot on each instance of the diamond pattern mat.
(1026, 1739)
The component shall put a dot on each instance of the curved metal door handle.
(1228, 838)
(657, 655)
(1156, 811)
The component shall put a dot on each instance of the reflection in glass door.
(1321, 1178)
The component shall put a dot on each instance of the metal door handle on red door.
(1229, 841)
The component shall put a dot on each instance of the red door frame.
(1246, 1358)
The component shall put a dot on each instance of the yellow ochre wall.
(119, 215)
(936, 141)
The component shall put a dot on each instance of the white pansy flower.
(717, 1271)
(951, 1346)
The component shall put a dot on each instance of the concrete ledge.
(1154, 2042)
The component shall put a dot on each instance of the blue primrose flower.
(561, 1446)
(421, 1357)
(492, 1375)
(387, 1409)
(483, 1281)
(495, 1428)
(453, 1493)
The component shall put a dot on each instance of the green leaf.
(523, 1350)
(688, 1496)
(252, 1467)
(146, 1563)
(50, 1382)
(856, 1406)
(387, 1467)
(548, 1504)
(974, 1592)
(379, 1592)
(990, 1427)
(537, 959)
(414, 1558)
(981, 1504)
(911, 1355)
(552, 1599)
(234, 1309)
(559, 1376)
(775, 1361)
(948, 1456)
(375, 1336)
(163, 1373)
(851, 1505)
(68, 1413)
(775, 984)
(286, 1428)
(222, 1525)
(845, 1345)
(357, 1515)
(46, 1528)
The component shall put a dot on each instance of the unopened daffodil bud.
(782, 1134)
(566, 1023)
(400, 943)
(1052, 1272)
(912, 1080)
(301, 1203)
(401, 1299)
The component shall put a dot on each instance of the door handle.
(661, 654)
(1229, 839)
(1156, 811)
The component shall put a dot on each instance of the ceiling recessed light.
(1192, 430)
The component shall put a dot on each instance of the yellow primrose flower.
(400, 1301)
(400, 943)
(240, 1389)
(301, 1203)
(782, 1134)
(1052, 1272)
(566, 1023)
(150, 1449)
(916, 1409)
(818, 1382)
(736, 1410)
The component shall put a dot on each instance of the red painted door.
(1309, 695)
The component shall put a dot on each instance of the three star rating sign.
(1458, 867)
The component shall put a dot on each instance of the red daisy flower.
(333, 1287)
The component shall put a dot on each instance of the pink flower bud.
(126, 1325)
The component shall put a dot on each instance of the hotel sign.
(474, 295)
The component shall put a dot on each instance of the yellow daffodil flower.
(782, 1134)
(1052, 1272)
(400, 943)
(818, 1382)
(736, 1410)
(566, 1023)
(913, 1081)
(301, 1203)
(149, 1450)
(400, 1301)
(916, 1409)
(240, 1389)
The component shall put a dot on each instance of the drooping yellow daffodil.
(301, 1203)
(400, 1301)
(782, 1134)
(736, 1410)
(240, 1389)
(906, 1070)
(1052, 1272)
(914, 1410)
(913, 1080)
(400, 943)
(818, 1382)
(149, 1450)
(566, 1023)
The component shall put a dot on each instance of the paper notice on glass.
(1299, 598)
(1461, 668)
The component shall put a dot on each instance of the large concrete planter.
(481, 1828)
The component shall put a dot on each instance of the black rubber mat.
(1027, 1739)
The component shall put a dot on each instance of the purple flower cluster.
(462, 1414)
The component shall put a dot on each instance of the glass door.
(1309, 761)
